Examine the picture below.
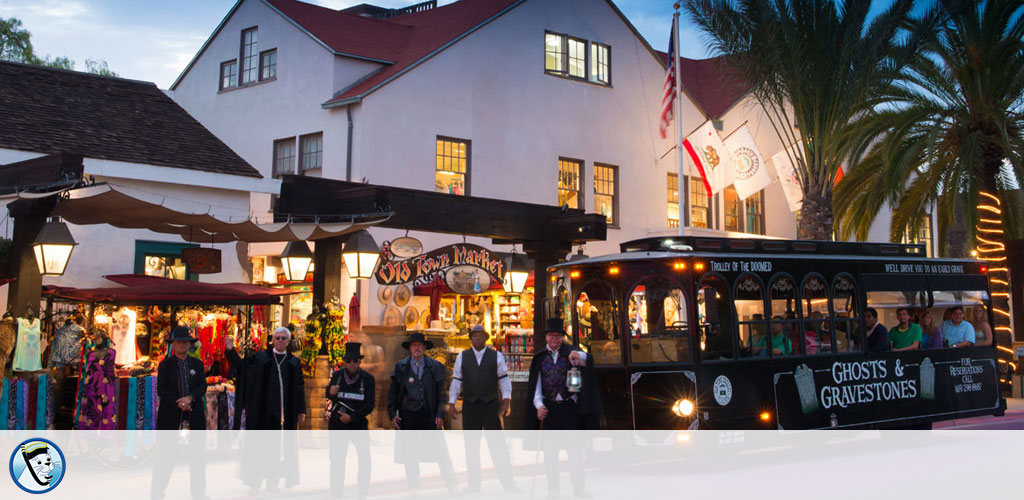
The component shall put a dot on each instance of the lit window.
(755, 213)
(700, 204)
(312, 147)
(673, 200)
(922, 237)
(250, 57)
(605, 202)
(284, 157)
(733, 210)
(569, 183)
(228, 74)
(554, 53)
(577, 50)
(451, 174)
(268, 64)
(165, 266)
(600, 63)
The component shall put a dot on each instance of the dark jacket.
(588, 402)
(359, 397)
(168, 416)
(434, 374)
(257, 372)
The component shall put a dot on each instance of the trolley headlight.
(683, 408)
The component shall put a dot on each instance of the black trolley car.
(694, 332)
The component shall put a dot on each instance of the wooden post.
(543, 255)
(29, 218)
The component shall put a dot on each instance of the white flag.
(749, 173)
(788, 177)
(710, 156)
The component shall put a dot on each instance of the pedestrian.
(481, 375)
(351, 394)
(416, 403)
(275, 400)
(558, 404)
(181, 386)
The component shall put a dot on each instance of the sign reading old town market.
(425, 268)
(837, 393)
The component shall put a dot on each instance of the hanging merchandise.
(311, 344)
(122, 335)
(67, 343)
(27, 352)
(8, 335)
(335, 336)
(96, 409)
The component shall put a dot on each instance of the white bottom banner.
(436, 464)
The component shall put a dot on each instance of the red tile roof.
(402, 41)
(711, 83)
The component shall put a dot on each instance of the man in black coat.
(416, 403)
(557, 404)
(181, 387)
(351, 393)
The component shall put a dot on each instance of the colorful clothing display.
(67, 346)
(27, 405)
(122, 335)
(27, 353)
(96, 408)
(8, 334)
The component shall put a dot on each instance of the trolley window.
(713, 318)
(657, 322)
(782, 295)
(846, 314)
(750, 318)
(815, 311)
(597, 310)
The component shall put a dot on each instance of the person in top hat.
(351, 395)
(416, 402)
(181, 386)
(481, 375)
(555, 406)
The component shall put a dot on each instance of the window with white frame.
(228, 74)
(570, 180)
(284, 157)
(600, 63)
(311, 151)
(268, 64)
(606, 200)
(577, 58)
(249, 56)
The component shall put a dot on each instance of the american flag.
(668, 98)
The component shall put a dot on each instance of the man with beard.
(351, 393)
(274, 400)
(181, 385)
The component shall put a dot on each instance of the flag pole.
(684, 190)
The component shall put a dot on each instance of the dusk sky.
(154, 41)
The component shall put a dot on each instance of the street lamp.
(296, 259)
(516, 273)
(361, 255)
(53, 248)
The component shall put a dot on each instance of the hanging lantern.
(361, 255)
(201, 260)
(516, 273)
(295, 260)
(53, 248)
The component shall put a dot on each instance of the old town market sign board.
(466, 268)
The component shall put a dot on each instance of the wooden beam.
(305, 198)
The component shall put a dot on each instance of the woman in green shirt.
(905, 336)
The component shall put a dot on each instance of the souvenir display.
(402, 295)
(28, 351)
(412, 318)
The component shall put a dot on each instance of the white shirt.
(538, 396)
(504, 383)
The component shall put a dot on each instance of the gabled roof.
(48, 110)
(711, 82)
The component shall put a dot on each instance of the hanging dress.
(96, 410)
(67, 346)
(27, 352)
(122, 336)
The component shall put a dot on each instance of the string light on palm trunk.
(992, 248)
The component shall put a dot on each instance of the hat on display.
(352, 351)
(181, 333)
(437, 326)
(417, 337)
(555, 325)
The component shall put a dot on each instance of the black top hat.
(417, 337)
(181, 333)
(555, 325)
(352, 351)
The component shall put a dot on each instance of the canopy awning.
(130, 208)
(151, 290)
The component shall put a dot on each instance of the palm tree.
(814, 66)
(952, 136)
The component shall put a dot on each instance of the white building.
(531, 100)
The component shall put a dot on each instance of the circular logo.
(746, 163)
(37, 465)
(722, 390)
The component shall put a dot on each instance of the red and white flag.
(668, 97)
(710, 156)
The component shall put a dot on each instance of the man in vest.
(479, 374)
(351, 392)
(416, 403)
